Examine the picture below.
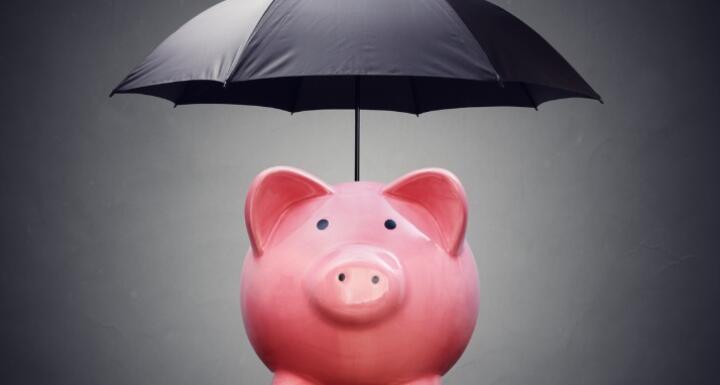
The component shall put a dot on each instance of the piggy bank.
(358, 283)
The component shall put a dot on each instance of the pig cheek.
(272, 286)
(443, 296)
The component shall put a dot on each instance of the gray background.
(594, 226)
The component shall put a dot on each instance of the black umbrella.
(409, 56)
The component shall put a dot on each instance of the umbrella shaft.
(357, 143)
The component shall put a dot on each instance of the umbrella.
(411, 56)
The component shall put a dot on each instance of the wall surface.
(595, 227)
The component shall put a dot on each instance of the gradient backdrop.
(595, 226)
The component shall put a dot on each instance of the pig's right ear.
(271, 193)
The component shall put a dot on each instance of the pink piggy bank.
(358, 283)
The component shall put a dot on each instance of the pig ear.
(442, 195)
(271, 193)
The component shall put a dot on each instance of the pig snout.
(356, 285)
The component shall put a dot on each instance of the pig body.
(358, 283)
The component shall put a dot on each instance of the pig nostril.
(341, 277)
(375, 279)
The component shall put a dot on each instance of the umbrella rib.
(296, 94)
(529, 95)
(182, 93)
(235, 63)
(413, 91)
(454, 13)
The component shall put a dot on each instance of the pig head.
(358, 283)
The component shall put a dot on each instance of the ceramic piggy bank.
(358, 283)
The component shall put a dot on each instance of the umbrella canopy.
(409, 56)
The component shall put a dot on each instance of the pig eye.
(322, 224)
(390, 224)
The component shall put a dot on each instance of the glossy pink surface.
(358, 301)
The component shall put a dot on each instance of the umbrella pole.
(357, 144)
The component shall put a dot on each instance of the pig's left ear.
(272, 192)
(442, 195)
